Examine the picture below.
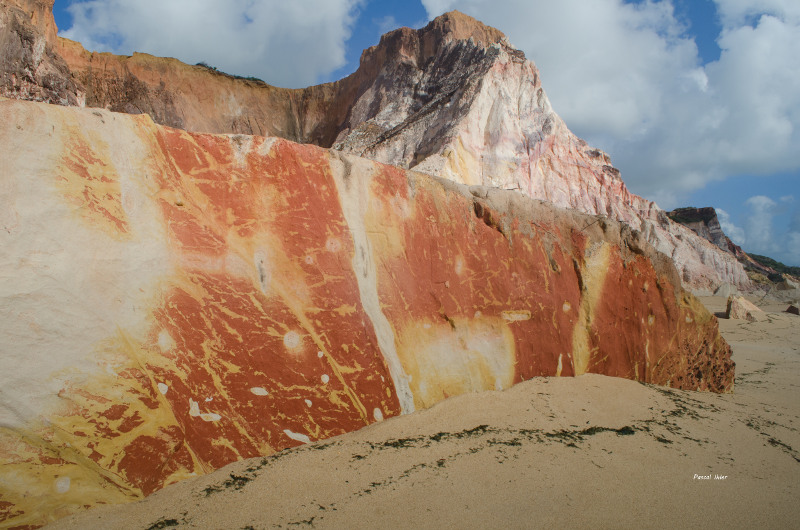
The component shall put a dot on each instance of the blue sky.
(696, 101)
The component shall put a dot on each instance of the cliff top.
(456, 25)
(422, 44)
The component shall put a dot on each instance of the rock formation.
(173, 302)
(705, 223)
(453, 99)
(30, 67)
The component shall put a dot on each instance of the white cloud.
(758, 228)
(386, 24)
(761, 235)
(735, 233)
(286, 43)
(628, 78)
(741, 12)
(791, 248)
(792, 254)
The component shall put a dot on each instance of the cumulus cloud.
(741, 12)
(628, 78)
(285, 43)
(759, 228)
(762, 236)
(386, 24)
(735, 233)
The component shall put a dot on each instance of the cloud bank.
(628, 78)
(286, 43)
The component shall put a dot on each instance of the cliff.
(30, 66)
(175, 301)
(704, 223)
(454, 99)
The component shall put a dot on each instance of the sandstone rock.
(453, 99)
(478, 114)
(793, 309)
(742, 309)
(787, 284)
(173, 302)
(30, 68)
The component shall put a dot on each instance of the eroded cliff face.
(704, 222)
(474, 111)
(172, 302)
(453, 99)
(30, 66)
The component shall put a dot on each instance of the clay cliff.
(175, 301)
(454, 99)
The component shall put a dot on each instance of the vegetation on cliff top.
(777, 265)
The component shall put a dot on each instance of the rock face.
(30, 67)
(173, 302)
(705, 223)
(453, 99)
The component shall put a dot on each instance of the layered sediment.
(177, 301)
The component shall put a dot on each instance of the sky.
(696, 101)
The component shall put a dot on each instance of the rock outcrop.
(173, 302)
(473, 110)
(453, 99)
(30, 67)
(705, 223)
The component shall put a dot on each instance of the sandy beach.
(564, 452)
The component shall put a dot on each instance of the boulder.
(793, 309)
(742, 309)
(787, 284)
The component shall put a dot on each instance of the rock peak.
(418, 46)
(455, 25)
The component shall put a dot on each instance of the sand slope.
(592, 450)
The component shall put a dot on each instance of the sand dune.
(592, 450)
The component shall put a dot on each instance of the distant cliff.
(704, 223)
